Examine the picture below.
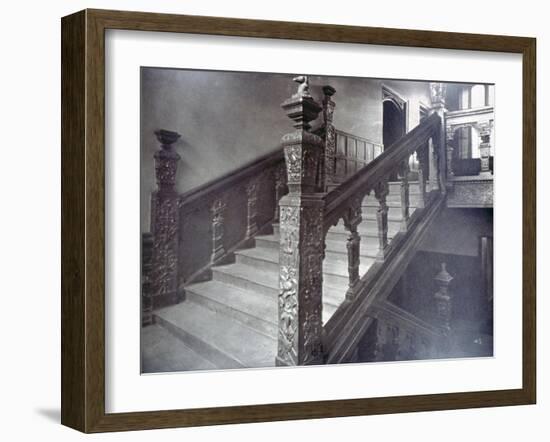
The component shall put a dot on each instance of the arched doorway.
(393, 122)
(394, 119)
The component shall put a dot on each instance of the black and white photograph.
(301, 219)
(275, 221)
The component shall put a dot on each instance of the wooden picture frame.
(83, 220)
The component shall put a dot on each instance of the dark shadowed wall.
(229, 118)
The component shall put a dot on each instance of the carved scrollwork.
(218, 217)
(164, 223)
(166, 160)
(330, 136)
(288, 315)
(301, 240)
(301, 279)
(252, 189)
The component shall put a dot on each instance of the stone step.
(373, 204)
(266, 282)
(251, 308)
(218, 338)
(163, 352)
(367, 229)
(394, 213)
(267, 258)
(369, 248)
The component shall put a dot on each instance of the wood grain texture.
(83, 218)
(73, 350)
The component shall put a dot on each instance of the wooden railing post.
(443, 157)
(405, 200)
(443, 300)
(300, 340)
(330, 138)
(164, 222)
(352, 219)
(423, 172)
(280, 184)
(485, 144)
(381, 191)
(218, 219)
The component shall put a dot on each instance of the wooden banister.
(230, 179)
(364, 181)
(307, 213)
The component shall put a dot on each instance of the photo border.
(83, 220)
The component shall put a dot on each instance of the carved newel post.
(443, 299)
(485, 144)
(146, 286)
(441, 149)
(301, 238)
(164, 222)
(330, 137)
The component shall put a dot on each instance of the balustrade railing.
(397, 335)
(307, 213)
(344, 153)
(302, 188)
(212, 220)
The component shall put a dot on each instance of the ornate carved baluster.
(442, 155)
(164, 222)
(280, 184)
(405, 200)
(433, 168)
(443, 299)
(381, 191)
(252, 188)
(351, 220)
(218, 215)
(330, 137)
(301, 238)
(422, 174)
(485, 144)
(449, 138)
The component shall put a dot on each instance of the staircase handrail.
(364, 180)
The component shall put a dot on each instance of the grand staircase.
(230, 321)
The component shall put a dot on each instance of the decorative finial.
(301, 107)
(437, 93)
(303, 89)
(167, 137)
(443, 276)
(328, 90)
